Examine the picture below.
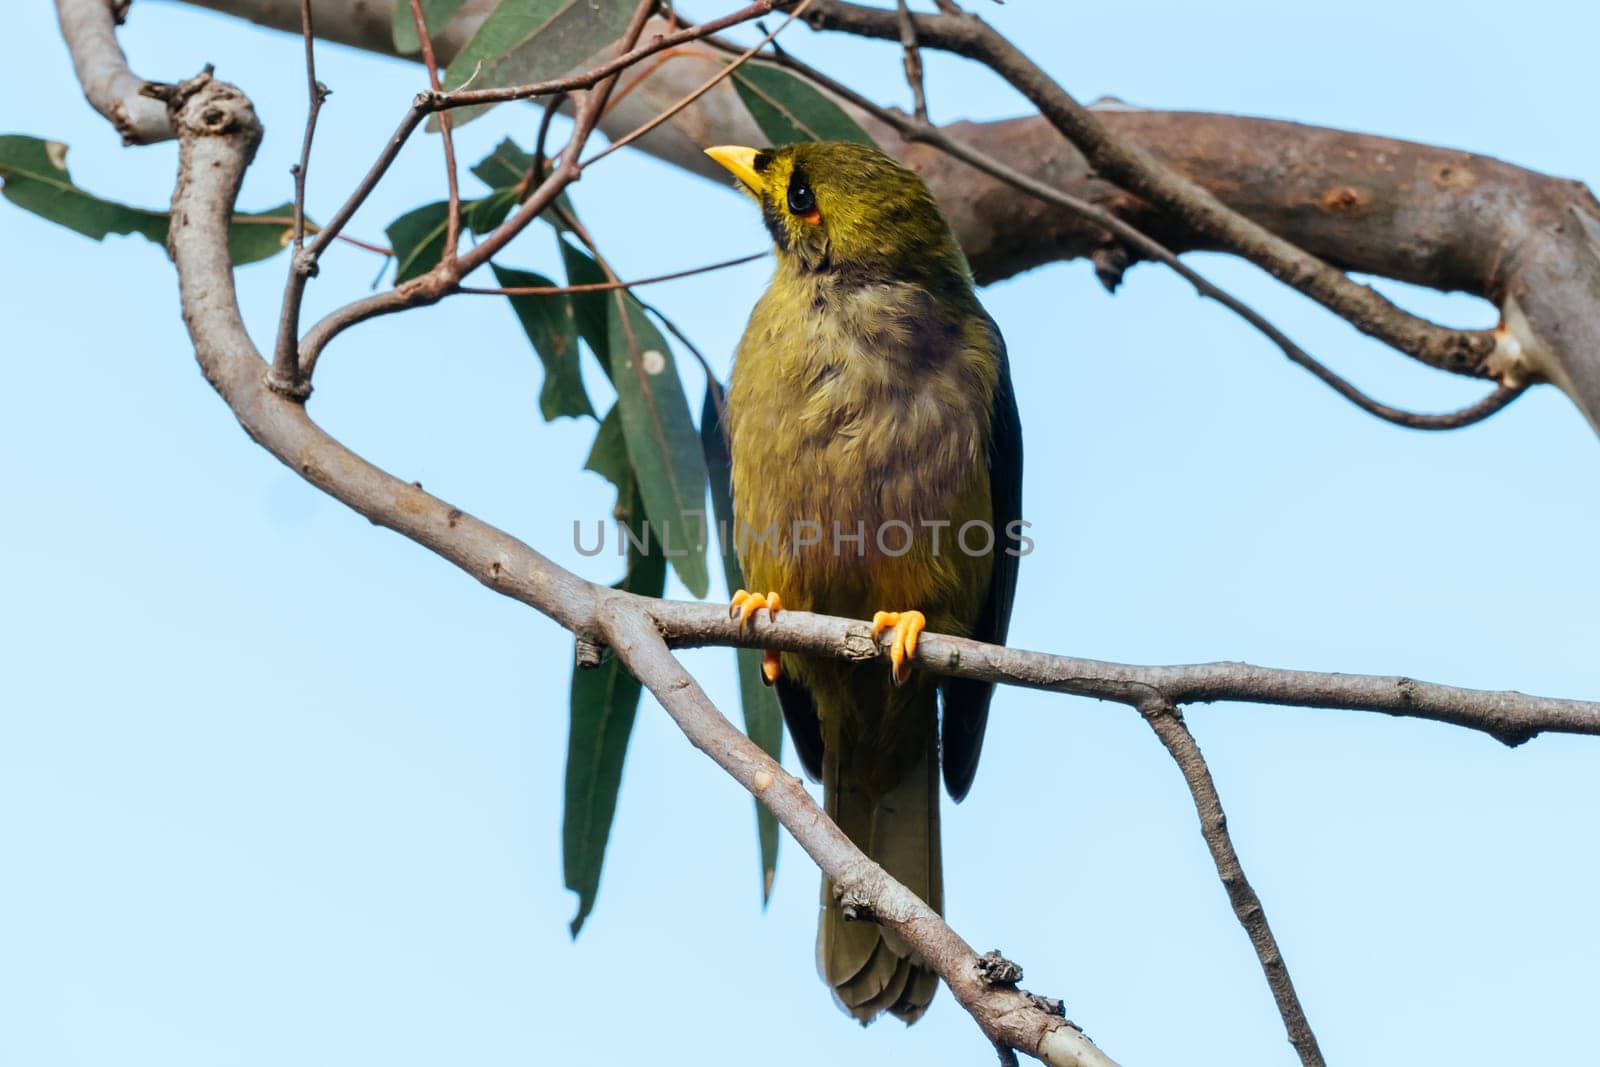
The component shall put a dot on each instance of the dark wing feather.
(800, 712)
(966, 702)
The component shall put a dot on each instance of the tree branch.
(109, 86)
(1167, 722)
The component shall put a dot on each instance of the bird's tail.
(895, 822)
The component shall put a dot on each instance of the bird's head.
(845, 207)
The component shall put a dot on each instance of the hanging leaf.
(435, 13)
(663, 444)
(524, 41)
(763, 720)
(790, 109)
(417, 238)
(504, 171)
(552, 329)
(591, 309)
(605, 699)
(35, 177)
(507, 165)
(490, 211)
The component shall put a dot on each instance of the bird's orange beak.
(742, 162)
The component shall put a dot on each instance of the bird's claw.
(746, 604)
(907, 625)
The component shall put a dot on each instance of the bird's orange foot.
(907, 625)
(746, 604)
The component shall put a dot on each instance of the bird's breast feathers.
(859, 417)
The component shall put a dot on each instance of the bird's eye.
(801, 200)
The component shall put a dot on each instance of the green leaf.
(604, 700)
(481, 216)
(763, 719)
(591, 308)
(436, 13)
(503, 170)
(663, 444)
(35, 177)
(790, 109)
(417, 238)
(552, 329)
(524, 41)
(507, 165)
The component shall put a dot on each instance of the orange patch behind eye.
(813, 216)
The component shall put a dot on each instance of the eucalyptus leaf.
(663, 444)
(790, 109)
(591, 308)
(507, 165)
(763, 719)
(551, 326)
(604, 700)
(417, 238)
(435, 13)
(525, 41)
(35, 177)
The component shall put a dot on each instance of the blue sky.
(279, 787)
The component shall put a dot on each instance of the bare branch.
(913, 62)
(452, 230)
(1167, 721)
(285, 375)
(110, 87)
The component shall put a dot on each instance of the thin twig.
(285, 373)
(607, 286)
(452, 230)
(1167, 722)
(913, 62)
(536, 169)
(926, 133)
